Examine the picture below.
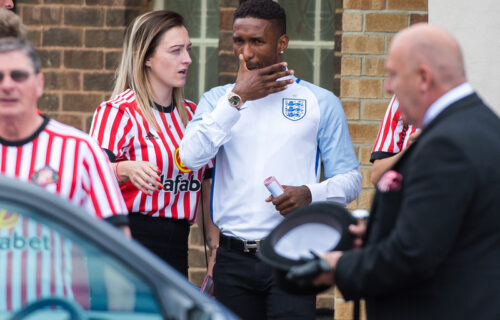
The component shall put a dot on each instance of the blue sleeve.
(334, 141)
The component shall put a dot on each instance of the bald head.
(424, 62)
(436, 48)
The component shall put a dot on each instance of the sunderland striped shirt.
(67, 162)
(36, 262)
(121, 129)
(393, 135)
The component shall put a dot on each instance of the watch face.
(234, 100)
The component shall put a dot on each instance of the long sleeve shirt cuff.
(225, 115)
(318, 192)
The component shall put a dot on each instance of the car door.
(56, 260)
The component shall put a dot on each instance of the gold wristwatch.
(234, 100)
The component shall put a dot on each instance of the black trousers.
(245, 285)
(165, 237)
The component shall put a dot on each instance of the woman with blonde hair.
(140, 129)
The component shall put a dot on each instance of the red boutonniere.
(390, 181)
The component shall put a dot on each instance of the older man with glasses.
(42, 151)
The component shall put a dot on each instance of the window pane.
(212, 69)
(191, 87)
(327, 71)
(212, 19)
(191, 11)
(301, 61)
(40, 258)
(299, 18)
(327, 20)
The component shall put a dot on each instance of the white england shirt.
(282, 135)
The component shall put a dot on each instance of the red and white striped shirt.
(393, 135)
(67, 162)
(36, 262)
(119, 126)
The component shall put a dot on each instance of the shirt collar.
(446, 100)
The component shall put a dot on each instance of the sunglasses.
(16, 75)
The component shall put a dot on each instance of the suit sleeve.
(436, 194)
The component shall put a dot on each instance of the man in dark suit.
(432, 247)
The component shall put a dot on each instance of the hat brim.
(324, 216)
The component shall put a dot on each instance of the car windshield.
(43, 261)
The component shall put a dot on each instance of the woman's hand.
(143, 175)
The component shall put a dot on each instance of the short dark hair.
(263, 9)
(15, 44)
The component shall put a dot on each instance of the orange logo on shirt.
(178, 162)
(8, 220)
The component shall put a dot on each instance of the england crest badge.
(294, 109)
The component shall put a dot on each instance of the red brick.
(362, 44)
(85, 17)
(351, 109)
(69, 119)
(128, 3)
(34, 15)
(112, 59)
(62, 81)
(373, 110)
(121, 17)
(98, 81)
(35, 37)
(62, 37)
(351, 66)
(49, 102)
(407, 5)
(386, 22)
(363, 133)
(50, 58)
(226, 19)
(361, 88)
(366, 198)
(374, 67)
(228, 62)
(352, 21)
(364, 4)
(83, 59)
(65, 2)
(364, 154)
(83, 102)
(109, 39)
(418, 18)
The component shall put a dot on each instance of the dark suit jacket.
(433, 247)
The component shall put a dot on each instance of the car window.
(40, 259)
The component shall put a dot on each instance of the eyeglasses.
(16, 75)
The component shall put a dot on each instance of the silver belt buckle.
(247, 246)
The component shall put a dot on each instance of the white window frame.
(316, 44)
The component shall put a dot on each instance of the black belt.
(245, 246)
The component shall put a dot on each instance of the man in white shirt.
(268, 123)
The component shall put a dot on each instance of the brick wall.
(79, 42)
(367, 29)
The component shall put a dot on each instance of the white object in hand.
(273, 186)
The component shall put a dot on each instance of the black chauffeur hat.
(295, 246)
